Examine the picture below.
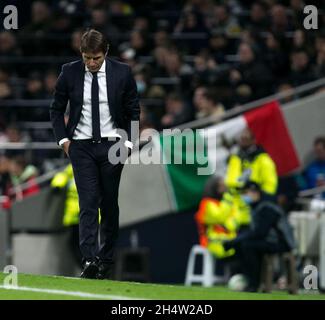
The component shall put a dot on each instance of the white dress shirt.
(84, 127)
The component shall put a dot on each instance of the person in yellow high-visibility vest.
(219, 217)
(251, 163)
(223, 214)
(65, 179)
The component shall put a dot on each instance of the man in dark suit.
(103, 102)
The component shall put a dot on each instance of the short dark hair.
(320, 140)
(211, 96)
(93, 41)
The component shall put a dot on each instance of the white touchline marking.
(72, 293)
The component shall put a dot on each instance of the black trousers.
(97, 182)
(250, 254)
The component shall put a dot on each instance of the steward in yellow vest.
(65, 179)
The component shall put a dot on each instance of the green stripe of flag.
(186, 184)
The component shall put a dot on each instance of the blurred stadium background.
(196, 63)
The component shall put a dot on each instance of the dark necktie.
(95, 108)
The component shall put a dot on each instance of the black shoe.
(104, 271)
(90, 270)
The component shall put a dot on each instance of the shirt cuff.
(128, 144)
(62, 141)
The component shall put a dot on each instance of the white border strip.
(71, 293)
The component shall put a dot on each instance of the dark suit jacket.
(121, 92)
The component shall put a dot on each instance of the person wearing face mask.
(141, 84)
(251, 162)
(269, 232)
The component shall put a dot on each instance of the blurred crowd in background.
(191, 59)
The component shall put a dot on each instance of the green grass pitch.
(32, 287)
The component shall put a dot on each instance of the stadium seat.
(207, 278)
(267, 272)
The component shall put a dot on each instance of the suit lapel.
(79, 83)
(110, 84)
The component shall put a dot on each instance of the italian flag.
(195, 155)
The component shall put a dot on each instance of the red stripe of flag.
(271, 132)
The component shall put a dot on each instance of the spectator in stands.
(275, 55)
(75, 42)
(300, 41)
(35, 90)
(315, 172)
(287, 88)
(204, 7)
(34, 86)
(128, 56)
(209, 106)
(121, 15)
(34, 35)
(5, 91)
(139, 43)
(93, 4)
(219, 46)
(142, 82)
(15, 135)
(297, 12)
(319, 41)
(61, 25)
(250, 79)
(6, 85)
(8, 44)
(49, 84)
(300, 70)
(279, 19)
(176, 113)
(120, 8)
(253, 39)
(100, 21)
(270, 232)
(223, 21)
(319, 68)
(191, 22)
(162, 39)
(146, 122)
(141, 23)
(4, 175)
(198, 97)
(175, 67)
(258, 18)
(23, 173)
(205, 66)
(160, 60)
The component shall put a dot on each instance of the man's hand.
(129, 150)
(66, 147)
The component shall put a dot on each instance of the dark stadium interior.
(192, 60)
